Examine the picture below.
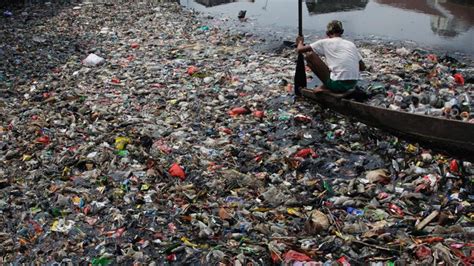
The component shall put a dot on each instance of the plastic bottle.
(451, 103)
(466, 107)
(355, 212)
(435, 111)
(102, 261)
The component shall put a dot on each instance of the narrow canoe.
(450, 136)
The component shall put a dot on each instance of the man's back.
(341, 55)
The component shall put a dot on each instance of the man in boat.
(344, 61)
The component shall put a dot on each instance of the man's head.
(334, 28)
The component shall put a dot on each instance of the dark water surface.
(436, 24)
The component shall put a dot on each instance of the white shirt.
(342, 57)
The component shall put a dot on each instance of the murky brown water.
(442, 24)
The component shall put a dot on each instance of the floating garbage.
(186, 146)
(422, 83)
(93, 60)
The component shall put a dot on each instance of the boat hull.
(451, 136)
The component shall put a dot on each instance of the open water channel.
(437, 24)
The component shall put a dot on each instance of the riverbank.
(185, 146)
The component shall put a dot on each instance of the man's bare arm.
(300, 47)
(303, 48)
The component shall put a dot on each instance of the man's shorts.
(340, 86)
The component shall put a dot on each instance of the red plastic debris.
(73, 148)
(171, 257)
(46, 95)
(382, 195)
(115, 80)
(339, 132)
(289, 88)
(328, 204)
(458, 78)
(305, 153)
(433, 239)
(115, 233)
(36, 226)
(191, 70)
(259, 114)
(343, 261)
(457, 245)
(162, 146)
(296, 256)
(275, 257)
(423, 252)
(43, 140)
(226, 130)
(239, 111)
(172, 227)
(119, 232)
(395, 209)
(87, 209)
(432, 57)
(212, 167)
(157, 85)
(135, 45)
(303, 118)
(421, 187)
(258, 158)
(177, 171)
(453, 166)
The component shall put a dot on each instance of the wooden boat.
(453, 137)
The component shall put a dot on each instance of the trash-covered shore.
(138, 133)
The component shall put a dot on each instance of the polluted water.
(148, 134)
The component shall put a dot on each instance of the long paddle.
(300, 74)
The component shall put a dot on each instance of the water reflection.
(329, 6)
(449, 18)
(211, 3)
(438, 24)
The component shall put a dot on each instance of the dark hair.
(334, 27)
(340, 32)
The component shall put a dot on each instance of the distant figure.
(344, 61)
(242, 14)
